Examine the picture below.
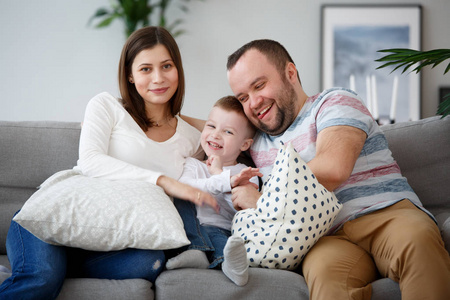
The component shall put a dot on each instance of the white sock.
(188, 259)
(4, 269)
(4, 273)
(235, 264)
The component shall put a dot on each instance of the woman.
(138, 137)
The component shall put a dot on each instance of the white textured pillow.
(293, 212)
(102, 215)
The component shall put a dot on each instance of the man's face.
(268, 98)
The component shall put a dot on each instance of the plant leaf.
(106, 21)
(137, 13)
(444, 107)
(408, 58)
(99, 13)
(447, 69)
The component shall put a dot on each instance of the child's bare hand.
(214, 164)
(244, 177)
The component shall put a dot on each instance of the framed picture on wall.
(443, 91)
(352, 35)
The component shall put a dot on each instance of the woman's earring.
(131, 80)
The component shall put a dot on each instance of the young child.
(226, 134)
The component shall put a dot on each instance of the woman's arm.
(197, 123)
(100, 119)
(94, 161)
(183, 191)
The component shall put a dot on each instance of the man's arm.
(337, 149)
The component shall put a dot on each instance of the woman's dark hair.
(142, 39)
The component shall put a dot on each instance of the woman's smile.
(159, 91)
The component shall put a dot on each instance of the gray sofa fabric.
(94, 289)
(213, 284)
(422, 151)
(30, 152)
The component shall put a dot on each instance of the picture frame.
(443, 91)
(352, 35)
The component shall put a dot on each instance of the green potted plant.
(408, 58)
(137, 13)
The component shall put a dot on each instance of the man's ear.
(246, 145)
(291, 72)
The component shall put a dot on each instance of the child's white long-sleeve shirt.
(197, 175)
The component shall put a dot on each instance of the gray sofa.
(32, 151)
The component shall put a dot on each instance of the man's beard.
(286, 114)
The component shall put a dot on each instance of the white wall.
(52, 63)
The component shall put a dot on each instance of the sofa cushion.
(30, 152)
(102, 215)
(422, 150)
(385, 288)
(194, 284)
(443, 220)
(94, 289)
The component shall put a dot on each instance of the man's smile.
(262, 113)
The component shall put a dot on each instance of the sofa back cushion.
(30, 152)
(422, 150)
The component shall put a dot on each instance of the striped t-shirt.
(376, 181)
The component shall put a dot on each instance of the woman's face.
(155, 75)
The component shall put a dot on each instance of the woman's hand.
(183, 191)
(244, 177)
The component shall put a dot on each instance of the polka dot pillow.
(293, 212)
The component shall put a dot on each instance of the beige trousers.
(400, 242)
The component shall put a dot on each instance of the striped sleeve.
(343, 108)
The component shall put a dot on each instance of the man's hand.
(244, 196)
(244, 177)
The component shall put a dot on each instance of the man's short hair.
(273, 50)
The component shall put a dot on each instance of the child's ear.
(247, 143)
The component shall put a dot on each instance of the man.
(382, 228)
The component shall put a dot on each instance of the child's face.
(225, 134)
